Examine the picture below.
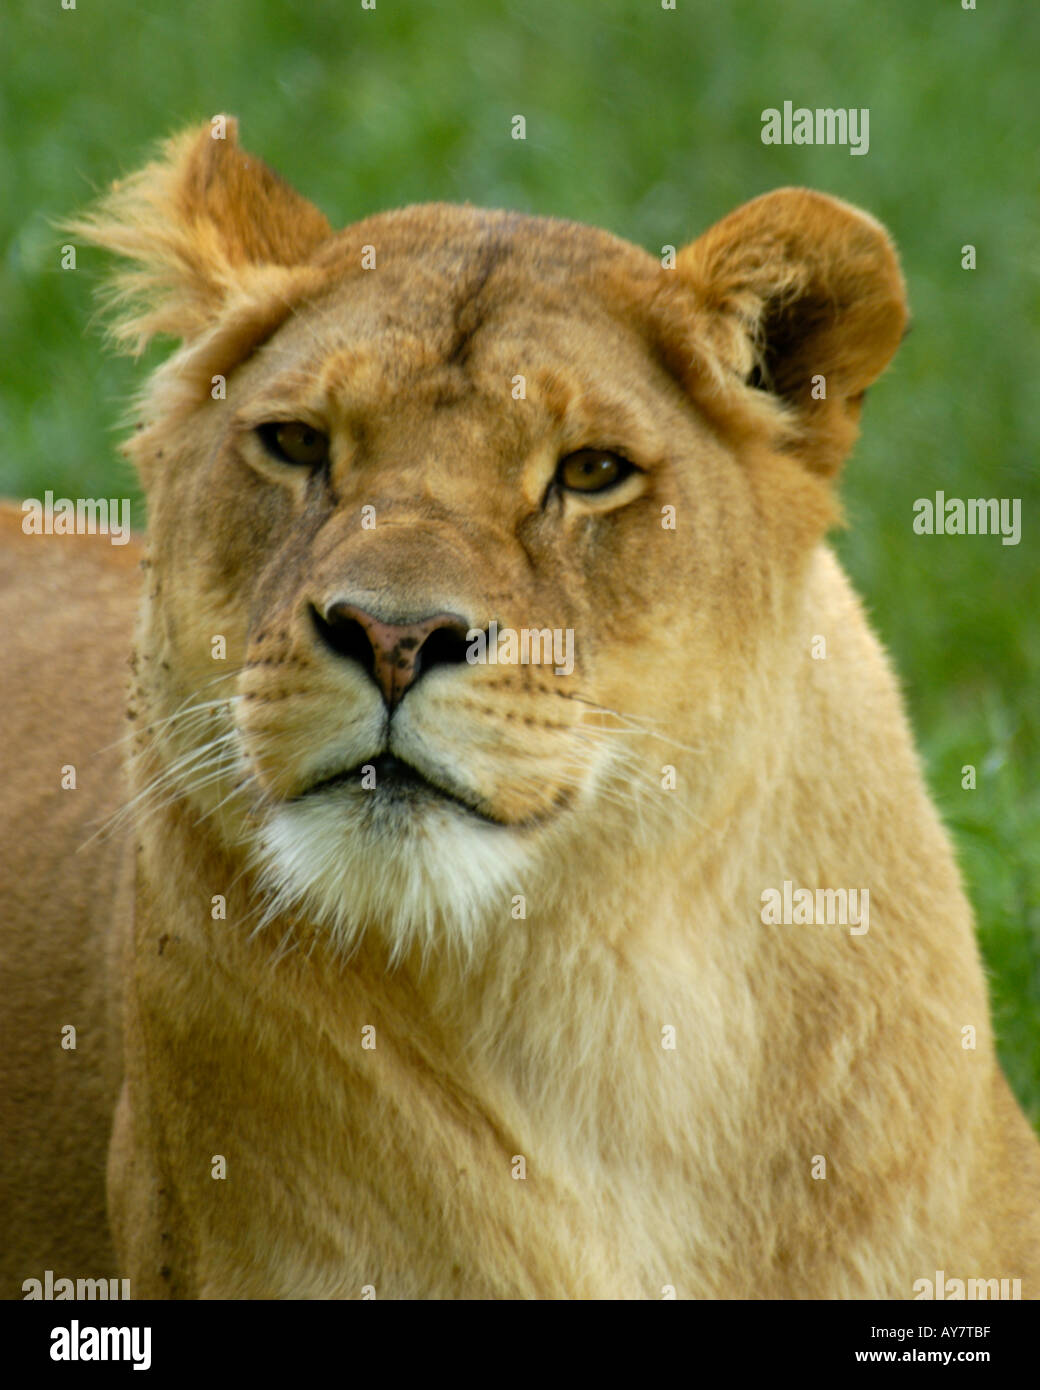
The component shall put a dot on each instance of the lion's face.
(508, 438)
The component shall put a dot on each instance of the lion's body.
(67, 618)
(596, 1071)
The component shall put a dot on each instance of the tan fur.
(498, 1036)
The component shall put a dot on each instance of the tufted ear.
(801, 296)
(203, 225)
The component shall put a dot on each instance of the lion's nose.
(395, 655)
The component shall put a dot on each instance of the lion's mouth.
(393, 781)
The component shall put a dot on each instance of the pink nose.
(395, 655)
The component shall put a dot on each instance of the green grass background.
(646, 122)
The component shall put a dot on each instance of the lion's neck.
(542, 1029)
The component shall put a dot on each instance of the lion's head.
(383, 457)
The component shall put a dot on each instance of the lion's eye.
(294, 442)
(592, 470)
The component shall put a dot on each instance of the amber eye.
(591, 470)
(294, 442)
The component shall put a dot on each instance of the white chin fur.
(430, 877)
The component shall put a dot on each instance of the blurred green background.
(646, 122)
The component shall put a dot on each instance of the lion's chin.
(429, 877)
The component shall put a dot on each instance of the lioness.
(398, 963)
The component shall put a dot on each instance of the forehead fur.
(452, 269)
(458, 249)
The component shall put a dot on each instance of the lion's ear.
(802, 296)
(203, 224)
